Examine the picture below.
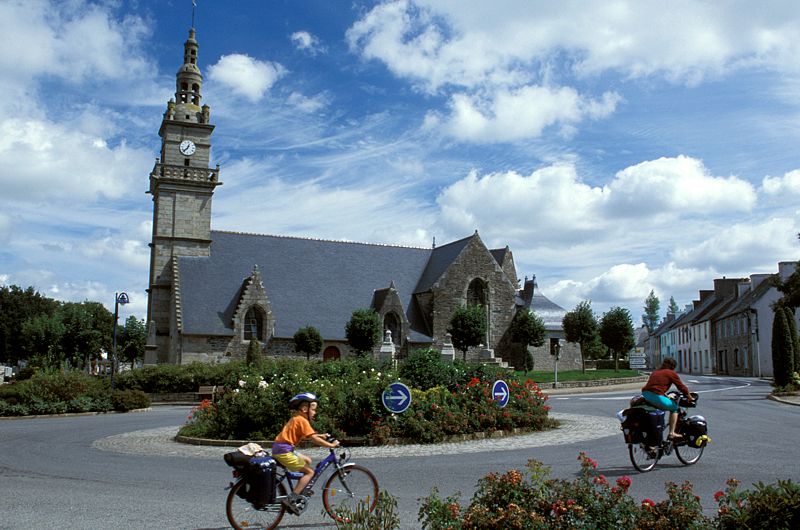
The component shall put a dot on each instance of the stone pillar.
(448, 351)
(387, 347)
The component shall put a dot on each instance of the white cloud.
(306, 42)
(246, 76)
(743, 246)
(521, 113)
(306, 104)
(785, 185)
(676, 186)
(49, 160)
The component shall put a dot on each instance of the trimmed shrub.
(125, 400)
(425, 369)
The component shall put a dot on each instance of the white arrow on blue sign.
(500, 393)
(396, 398)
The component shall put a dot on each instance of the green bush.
(125, 400)
(55, 392)
(383, 517)
(771, 506)
(425, 369)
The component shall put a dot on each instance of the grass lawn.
(574, 375)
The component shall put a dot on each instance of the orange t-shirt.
(295, 430)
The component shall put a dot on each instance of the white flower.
(379, 374)
(263, 384)
(235, 390)
(242, 383)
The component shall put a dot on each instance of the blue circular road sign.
(396, 398)
(500, 393)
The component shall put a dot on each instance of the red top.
(661, 380)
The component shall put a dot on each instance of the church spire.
(188, 85)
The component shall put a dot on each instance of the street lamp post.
(119, 299)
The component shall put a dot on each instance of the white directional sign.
(396, 398)
(500, 393)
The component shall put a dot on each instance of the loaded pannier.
(695, 429)
(641, 426)
(258, 474)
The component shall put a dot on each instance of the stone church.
(211, 292)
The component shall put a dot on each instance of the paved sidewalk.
(789, 400)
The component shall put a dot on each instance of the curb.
(781, 399)
(73, 414)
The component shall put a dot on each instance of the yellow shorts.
(291, 461)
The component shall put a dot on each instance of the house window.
(254, 324)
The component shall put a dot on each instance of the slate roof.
(551, 313)
(744, 302)
(307, 281)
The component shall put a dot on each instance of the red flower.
(647, 503)
(718, 495)
(624, 482)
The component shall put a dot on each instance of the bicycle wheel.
(353, 487)
(244, 516)
(641, 459)
(688, 454)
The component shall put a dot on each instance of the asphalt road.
(52, 474)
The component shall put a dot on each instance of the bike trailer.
(642, 426)
(695, 429)
(259, 476)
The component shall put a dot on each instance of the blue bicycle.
(348, 487)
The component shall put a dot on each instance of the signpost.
(396, 398)
(637, 360)
(500, 393)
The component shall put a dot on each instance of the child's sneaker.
(290, 503)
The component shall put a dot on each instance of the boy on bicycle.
(298, 428)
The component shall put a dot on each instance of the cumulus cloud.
(246, 76)
(786, 185)
(680, 184)
(44, 159)
(522, 113)
(306, 42)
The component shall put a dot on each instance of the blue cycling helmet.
(303, 397)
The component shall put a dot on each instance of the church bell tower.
(182, 185)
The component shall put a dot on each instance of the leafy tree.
(16, 306)
(308, 340)
(253, 355)
(88, 328)
(580, 325)
(673, 308)
(651, 306)
(41, 336)
(527, 328)
(467, 327)
(782, 361)
(363, 331)
(795, 340)
(131, 339)
(616, 332)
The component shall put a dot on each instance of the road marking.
(611, 398)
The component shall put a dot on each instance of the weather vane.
(194, 5)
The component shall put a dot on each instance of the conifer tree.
(253, 355)
(782, 362)
(795, 338)
(650, 317)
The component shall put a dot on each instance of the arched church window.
(184, 86)
(195, 87)
(392, 323)
(254, 324)
(476, 293)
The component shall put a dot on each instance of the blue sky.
(616, 147)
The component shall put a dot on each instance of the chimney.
(786, 269)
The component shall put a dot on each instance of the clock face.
(187, 147)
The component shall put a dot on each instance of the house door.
(331, 353)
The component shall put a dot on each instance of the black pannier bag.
(641, 426)
(259, 476)
(261, 480)
(695, 429)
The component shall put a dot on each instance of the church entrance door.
(331, 353)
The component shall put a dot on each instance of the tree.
(616, 332)
(40, 337)
(131, 339)
(253, 355)
(782, 361)
(88, 328)
(795, 340)
(651, 306)
(673, 308)
(308, 340)
(467, 328)
(580, 325)
(527, 328)
(16, 306)
(363, 331)
(791, 289)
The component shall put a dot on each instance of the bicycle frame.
(322, 465)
